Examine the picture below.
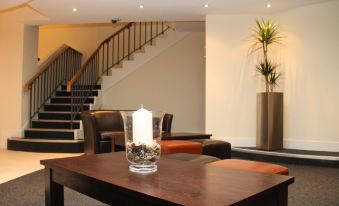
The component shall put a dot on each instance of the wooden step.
(77, 93)
(45, 145)
(83, 86)
(55, 124)
(65, 107)
(39, 133)
(52, 115)
(68, 100)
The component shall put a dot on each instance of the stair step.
(77, 93)
(118, 66)
(57, 115)
(62, 100)
(55, 124)
(38, 133)
(45, 145)
(83, 86)
(64, 107)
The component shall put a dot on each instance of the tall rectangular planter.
(269, 121)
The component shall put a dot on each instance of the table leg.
(113, 144)
(54, 192)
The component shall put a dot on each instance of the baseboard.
(238, 141)
(315, 145)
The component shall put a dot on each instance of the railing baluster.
(30, 106)
(129, 41)
(151, 36)
(112, 51)
(123, 44)
(134, 25)
(145, 32)
(140, 35)
(107, 55)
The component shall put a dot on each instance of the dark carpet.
(314, 186)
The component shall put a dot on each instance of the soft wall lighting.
(206, 5)
(268, 5)
(141, 6)
(74, 9)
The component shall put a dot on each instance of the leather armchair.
(98, 124)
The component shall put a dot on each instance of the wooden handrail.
(83, 67)
(44, 66)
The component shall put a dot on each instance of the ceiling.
(100, 11)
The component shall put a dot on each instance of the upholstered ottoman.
(180, 146)
(253, 166)
(203, 159)
(215, 148)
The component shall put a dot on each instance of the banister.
(82, 68)
(45, 65)
(111, 52)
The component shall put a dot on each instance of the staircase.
(62, 89)
(53, 130)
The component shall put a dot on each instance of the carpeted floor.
(314, 186)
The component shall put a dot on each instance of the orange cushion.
(180, 146)
(253, 166)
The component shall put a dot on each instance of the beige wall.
(309, 61)
(171, 82)
(84, 38)
(30, 68)
(17, 61)
(11, 42)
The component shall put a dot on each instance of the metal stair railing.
(59, 68)
(111, 52)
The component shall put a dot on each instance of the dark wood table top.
(176, 181)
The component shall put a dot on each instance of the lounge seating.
(99, 124)
(180, 146)
(253, 166)
(215, 148)
(203, 159)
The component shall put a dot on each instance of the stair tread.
(25, 139)
(50, 130)
(76, 97)
(65, 104)
(85, 90)
(55, 120)
(57, 112)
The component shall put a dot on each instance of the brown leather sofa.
(98, 123)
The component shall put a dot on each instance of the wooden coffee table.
(106, 177)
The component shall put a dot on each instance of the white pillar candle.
(142, 126)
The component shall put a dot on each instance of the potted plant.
(269, 103)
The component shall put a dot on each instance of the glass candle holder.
(143, 131)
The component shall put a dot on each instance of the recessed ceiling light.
(141, 6)
(268, 5)
(74, 9)
(206, 5)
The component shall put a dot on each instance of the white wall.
(172, 82)
(309, 61)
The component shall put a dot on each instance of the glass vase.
(143, 131)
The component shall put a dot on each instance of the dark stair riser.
(55, 125)
(57, 116)
(64, 108)
(49, 135)
(60, 147)
(69, 100)
(78, 93)
(64, 87)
